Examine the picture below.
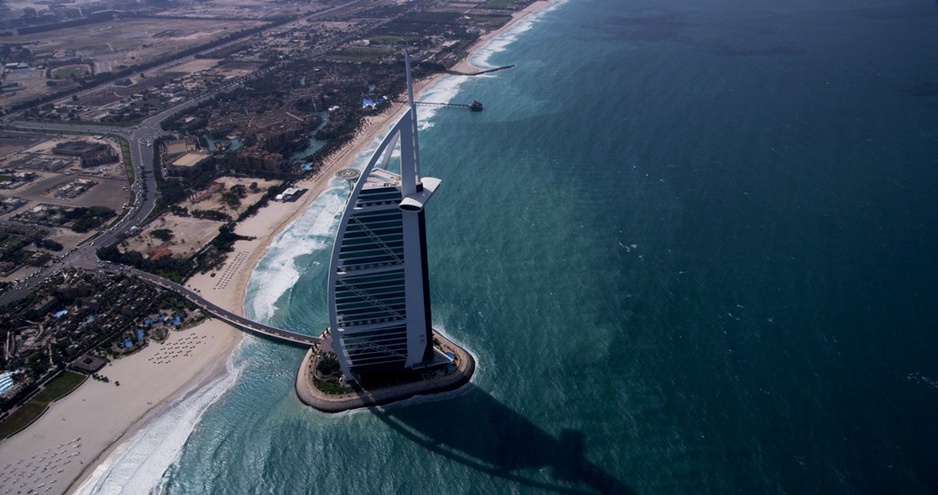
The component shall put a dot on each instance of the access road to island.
(237, 321)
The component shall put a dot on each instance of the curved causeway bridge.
(237, 321)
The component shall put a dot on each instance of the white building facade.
(379, 290)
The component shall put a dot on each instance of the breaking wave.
(137, 465)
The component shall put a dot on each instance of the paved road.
(145, 195)
(143, 200)
(144, 186)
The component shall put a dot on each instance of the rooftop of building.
(176, 147)
(380, 177)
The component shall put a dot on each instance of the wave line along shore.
(95, 420)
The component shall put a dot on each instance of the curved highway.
(144, 199)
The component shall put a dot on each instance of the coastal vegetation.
(48, 244)
(162, 234)
(23, 416)
(78, 314)
(211, 215)
(271, 193)
(331, 386)
(327, 375)
(85, 219)
(226, 238)
(86, 314)
(169, 267)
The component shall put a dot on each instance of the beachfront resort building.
(379, 290)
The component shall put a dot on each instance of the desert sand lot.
(114, 45)
(107, 192)
(191, 234)
(215, 202)
(140, 39)
(195, 65)
(109, 180)
(12, 142)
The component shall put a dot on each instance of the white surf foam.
(499, 44)
(443, 91)
(137, 465)
(278, 271)
(314, 231)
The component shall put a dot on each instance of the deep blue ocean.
(691, 244)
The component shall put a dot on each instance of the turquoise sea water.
(691, 244)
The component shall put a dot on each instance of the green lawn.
(29, 412)
(65, 383)
(499, 4)
(65, 72)
(22, 417)
(128, 162)
(391, 40)
(360, 54)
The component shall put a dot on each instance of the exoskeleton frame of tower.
(379, 290)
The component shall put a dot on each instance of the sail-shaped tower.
(379, 289)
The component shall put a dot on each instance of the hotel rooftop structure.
(379, 289)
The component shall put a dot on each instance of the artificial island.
(143, 183)
(380, 346)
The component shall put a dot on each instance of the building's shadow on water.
(484, 434)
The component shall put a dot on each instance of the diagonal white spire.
(412, 172)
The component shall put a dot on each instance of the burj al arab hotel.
(379, 289)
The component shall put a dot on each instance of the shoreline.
(213, 372)
(99, 417)
(272, 220)
(360, 398)
(466, 66)
(371, 130)
(61, 448)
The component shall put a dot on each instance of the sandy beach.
(72, 435)
(465, 66)
(62, 448)
(230, 281)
